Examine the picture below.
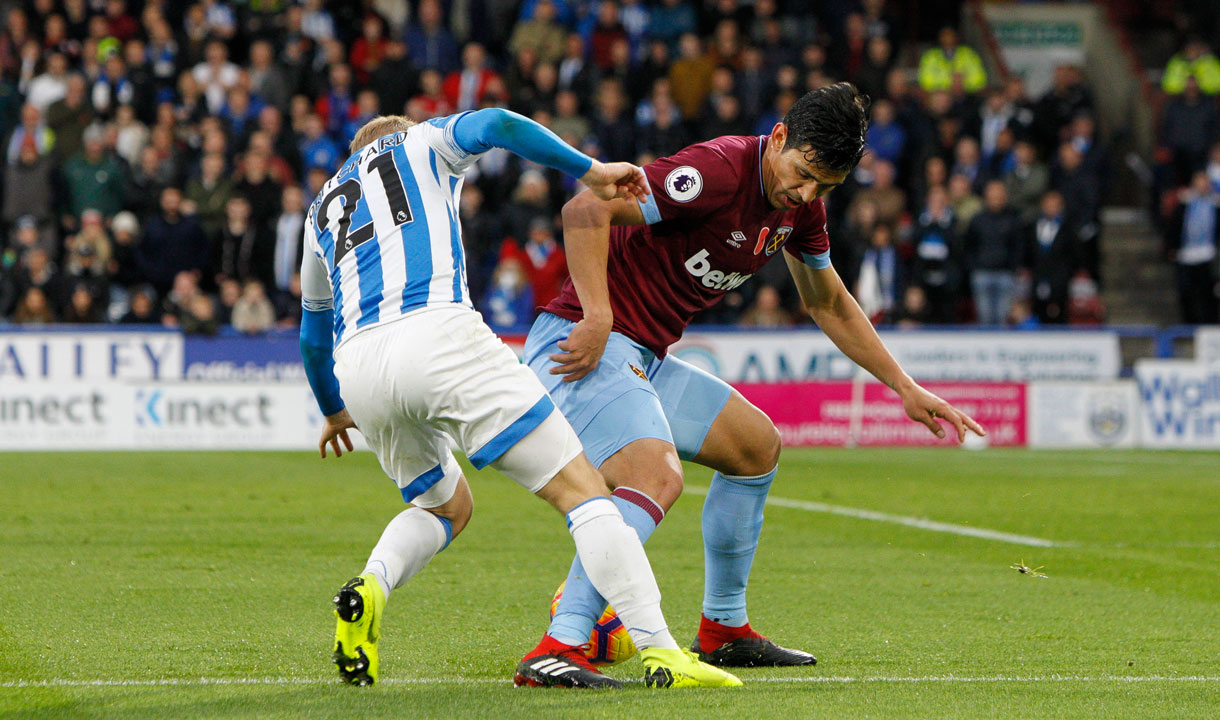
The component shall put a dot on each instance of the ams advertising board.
(794, 356)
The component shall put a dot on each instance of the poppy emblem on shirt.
(637, 371)
(684, 184)
(777, 240)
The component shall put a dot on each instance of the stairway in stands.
(1139, 284)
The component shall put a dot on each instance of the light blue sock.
(581, 605)
(732, 520)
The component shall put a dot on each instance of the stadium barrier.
(122, 388)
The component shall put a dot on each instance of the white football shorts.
(438, 379)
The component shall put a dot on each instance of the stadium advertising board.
(157, 416)
(89, 356)
(63, 416)
(810, 414)
(793, 356)
(1084, 415)
(274, 358)
(1207, 345)
(1180, 403)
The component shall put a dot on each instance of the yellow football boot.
(358, 607)
(681, 668)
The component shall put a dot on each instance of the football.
(609, 643)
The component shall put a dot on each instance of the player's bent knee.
(458, 509)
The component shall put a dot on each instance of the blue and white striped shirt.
(383, 238)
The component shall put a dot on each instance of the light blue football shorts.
(631, 394)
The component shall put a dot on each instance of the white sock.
(615, 563)
(411, 539)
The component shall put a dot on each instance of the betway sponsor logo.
(699, 266)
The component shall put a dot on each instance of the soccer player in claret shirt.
(640, 271)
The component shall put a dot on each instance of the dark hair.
(828, 126)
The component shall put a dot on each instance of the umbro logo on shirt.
(738, 239)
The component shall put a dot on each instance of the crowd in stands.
(160, 157)
(1188, 178)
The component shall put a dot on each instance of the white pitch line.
(918, 523)
(830, 679)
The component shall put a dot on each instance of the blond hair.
(378, 126)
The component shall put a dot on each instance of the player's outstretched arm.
(481, 130)
(317, 351)
(838, 314)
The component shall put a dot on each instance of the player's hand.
(335, 429)
(925, 407)
(582, 349)
(615, 180)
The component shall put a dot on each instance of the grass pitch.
(161, 585)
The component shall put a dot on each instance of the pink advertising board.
(810, 414)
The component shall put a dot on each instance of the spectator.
(243, 251)
(27, 235)
(1050, 260)
(143, 308)
(32, 132)
(183, 291)
(112, 87)
(611, 123)
(607, 31)
(82, 306)
(671, 19)
(940, 65)
(1067, 98)
(51, 86)
(467, 89)
(1081, 190)
(886, 137)
(207, 194)
(691, 75)
(289, 226)
(253, 312)
(431, 101)
(576, 73)
(890, 200)
(878, 60)
(879, 278)
(429, 42)
(541, 34)
(122, 269)
(69, 117)
(1190, 125)
(92, 235)
(993, 249)
(767, 310)
(395, 79)
(36, 270)
(1193, 247)
(936, 267)
(1195, 61)
(200, 317)
(28, 190)
(369, 49)
(1027, 180)
(132, 135)
(216, 75)
(964, 202)
(510, 300)
(173, 243)
(94, 178)
(255, 183)
(33, 308)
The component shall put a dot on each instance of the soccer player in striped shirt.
(392, 344)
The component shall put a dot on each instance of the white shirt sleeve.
(316, 293)
(438, 133)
